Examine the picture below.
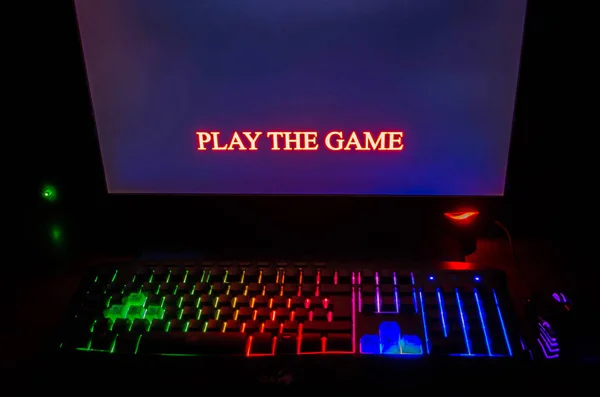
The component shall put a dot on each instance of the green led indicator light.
(56, 234)
(49, 193)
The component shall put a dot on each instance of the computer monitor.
(360, 105)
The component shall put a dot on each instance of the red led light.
(463, 218)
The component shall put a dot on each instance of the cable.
(513, 253)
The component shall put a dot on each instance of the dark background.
(66, 154)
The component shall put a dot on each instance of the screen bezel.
(392, 215)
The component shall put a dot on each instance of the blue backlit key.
(411, 344)
(369, 344)
(389, 337)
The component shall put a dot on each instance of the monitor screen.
(318, 97)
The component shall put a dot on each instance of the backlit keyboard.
(291, 309)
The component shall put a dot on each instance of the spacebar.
(202, 343)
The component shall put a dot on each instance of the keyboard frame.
(496, 276)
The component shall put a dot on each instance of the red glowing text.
(336, 141)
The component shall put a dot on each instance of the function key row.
(229, 275)
(220, 288)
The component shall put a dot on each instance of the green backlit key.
(154, 312)
(136, 312)
(115, 312)
(136, 299)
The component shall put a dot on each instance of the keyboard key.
(311, 343)
(292, 276)
(214, 325)
(339, 343)
(217, 288)
(188, 313)
(269, 275)
(234, 274)
(127, 343)
(245, 313)
(344, 277)
(251, 275)
(339, 289)
(201, 288)
(233, 326)
(251, 326)
(326, 276)
(296, 302)
(386, 277)
(261, 301)
(290, 327)
(282, 314)
(271, 326)
(236, 288)
(368, 304)
(206, 313)
(279, 302)
(301, 314)
(286, 344)
(183, 288)
(319, 314)
(103, 341)
(326, 327)
(226, 313)
(177, 325)
(367, 277)
(262, 343)
(263, 314)
(203, 343)
(309, 275)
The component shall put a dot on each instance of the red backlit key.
(290, 289)
(233, 326)
(271, 326)
(242, 300)
(339, 342)
(326, 327)
(261, 301)
(251, 326)
(263, 314)
(269, 275)
(296, 301)
(286, 344)
(290, 327)
(251, 275)
(308, 289)
(214, 326)
(311, 343)
(272, 289)
(339, 289)
(254, 288)
(301, 314)
(233, 343)
(236, 288)
(344, 277)
(262, 343)
(225, 313)
(326, 276)
(292, 275)
(309, 275)
(245, 313)
(279, 301)
(319, 314)
(341, 307)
